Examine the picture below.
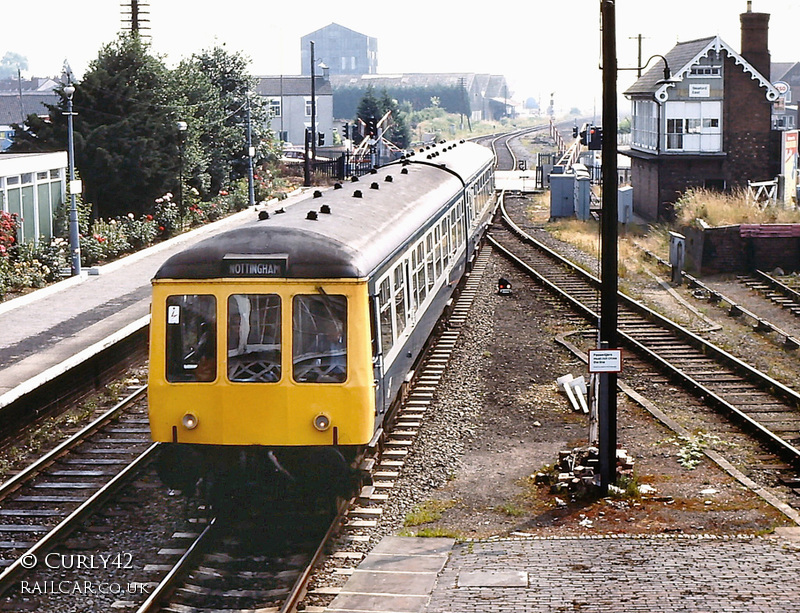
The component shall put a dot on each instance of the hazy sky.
(541, 46)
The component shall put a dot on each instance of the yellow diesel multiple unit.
(277, 348)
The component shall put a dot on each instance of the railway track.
(774, 290)
(44, 503)
(768, 408)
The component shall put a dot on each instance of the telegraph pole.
(607, 407)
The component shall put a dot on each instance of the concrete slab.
(492, 579)
(397, 576)
(377, 603)
(414, 546)
(400, 562)
(409, 583)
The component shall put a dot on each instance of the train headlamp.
(189, 421)
(322, 422)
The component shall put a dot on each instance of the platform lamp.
(182, 127)
(73, 187)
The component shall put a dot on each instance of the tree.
(126, 136)
(11, 63)
(371, 108)
(222, 134)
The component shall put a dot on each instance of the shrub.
(140, 232)
(166, 216)
(9, 225)
(25, 273)
(106, 241)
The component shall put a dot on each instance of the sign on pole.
(605, 360)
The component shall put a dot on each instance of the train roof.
(345, 232)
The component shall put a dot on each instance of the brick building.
(709, 125)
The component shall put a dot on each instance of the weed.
(428, 512)
(510, 509)
(690, 448)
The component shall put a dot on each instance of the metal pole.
(74, 230)
(608, 258)
(313, 105)
(251, 193)
(182, 127)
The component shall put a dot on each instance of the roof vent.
(312, 215)
(389, 178)
(317, 193)
(325, 209)
(280, 210)
(357, 194)
(262, 215)
(375, 185)
(354, 179)
(404, 171)
(373, 171)
(337, 186)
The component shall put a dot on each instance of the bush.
(140, 232)
(9, 226)
(26, 273)
(166, 216)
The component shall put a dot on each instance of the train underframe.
(232, 477)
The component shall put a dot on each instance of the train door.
(377, 354)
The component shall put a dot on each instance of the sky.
(542, 47)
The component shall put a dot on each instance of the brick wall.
(722, 249)
(746, 129)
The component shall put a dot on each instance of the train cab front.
(260, 383)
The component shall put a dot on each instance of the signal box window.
(254, 338)
(319, 338)
(191, 338)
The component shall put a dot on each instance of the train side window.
(385, 301)
(413, 291)
(437, 241)
(254, 338)
(191, 338)
(419, 274)
(319, 338)
(429, 259)
(399, 299)
(445, 242)
(454, 242)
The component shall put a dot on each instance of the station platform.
(44, 333)
(595, 574)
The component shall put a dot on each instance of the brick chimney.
(755, 39)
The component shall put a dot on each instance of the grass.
(428, 512)
(727, 208)
(585, 235)
(510, 509)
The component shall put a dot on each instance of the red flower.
(149, 217)
(160, 228)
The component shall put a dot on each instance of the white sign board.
(699, 90)
(605, 360)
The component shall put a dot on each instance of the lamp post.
(182, 126)
(73, 186)
(251, 152)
